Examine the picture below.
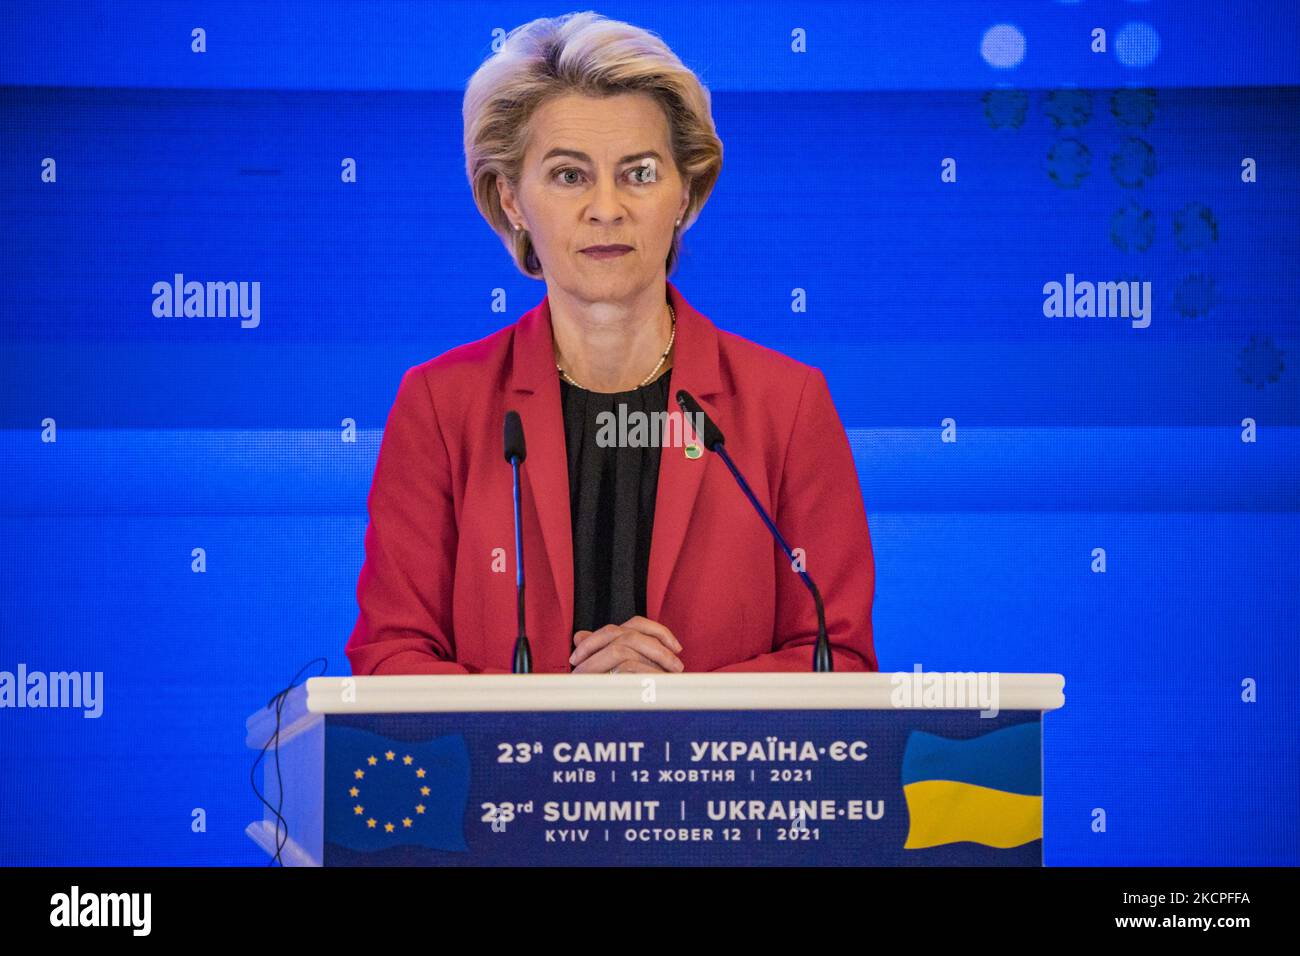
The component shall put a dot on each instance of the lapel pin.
(693, 451)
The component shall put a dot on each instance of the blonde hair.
(589, 54)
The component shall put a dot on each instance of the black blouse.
(611, 502)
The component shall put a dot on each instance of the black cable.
(278, 700)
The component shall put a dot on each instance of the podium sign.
(663, 770)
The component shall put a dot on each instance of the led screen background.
(832, 236)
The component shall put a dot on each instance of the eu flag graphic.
(987, 789)
(383, 793)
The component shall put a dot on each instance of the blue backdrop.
(924, 302)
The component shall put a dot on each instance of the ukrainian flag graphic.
(987, 789)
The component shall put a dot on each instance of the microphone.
(516, 452)
(713, 441)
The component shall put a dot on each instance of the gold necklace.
(645, 381)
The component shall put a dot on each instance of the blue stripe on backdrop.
(921, 299)
(274, 472)
(853, 44)
(924, 301)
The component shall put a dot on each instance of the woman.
(590, 149)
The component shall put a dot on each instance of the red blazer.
(437, 589)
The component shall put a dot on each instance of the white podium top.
(932, 690)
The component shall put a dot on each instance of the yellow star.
(406, 822)
(419, 808)
(359, 774)
(371, 822)
(353, 792)
(372, 760)
(389, 827)
(390, 755)
(424, 791)
(407, 760)
(358, 809)
(420, 772)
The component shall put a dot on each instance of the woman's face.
(599, 172)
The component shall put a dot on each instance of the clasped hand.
(637, 646)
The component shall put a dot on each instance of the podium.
(708, 769)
